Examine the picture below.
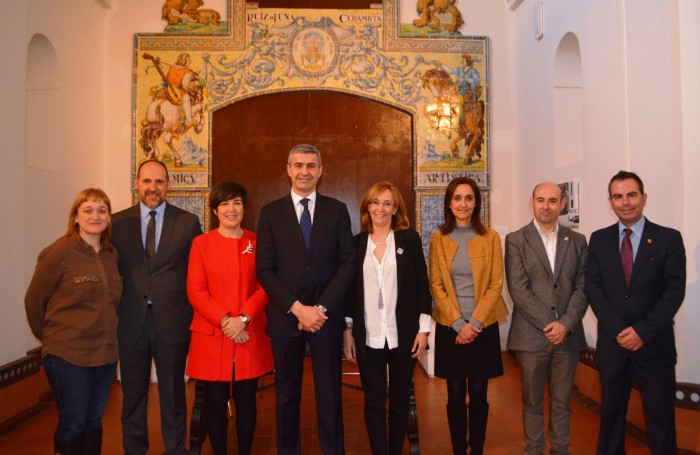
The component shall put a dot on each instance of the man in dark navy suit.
(305, 261)
(635, 283)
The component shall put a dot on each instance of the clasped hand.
(311, 319)
(234, 329)
(629, 339)
(467, 334)
(556, 332)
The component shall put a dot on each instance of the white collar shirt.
(550, 243)
(299, 207)
(380, 277)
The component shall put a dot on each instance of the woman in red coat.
(228, 329)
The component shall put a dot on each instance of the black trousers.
(326, 363)
(373, 373)
(658, 395)
(135, 366)
(217, 395)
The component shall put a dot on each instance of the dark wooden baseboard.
(687, 405)
(20, 390)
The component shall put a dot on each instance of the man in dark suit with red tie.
(635, 283)
(305, 261)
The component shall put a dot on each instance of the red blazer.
(221, 280)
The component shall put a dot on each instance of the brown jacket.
(486, 259)
(72, 300)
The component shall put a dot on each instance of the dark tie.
(626, 255)
(305, 223)
(151, 237)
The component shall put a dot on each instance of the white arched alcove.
(568, 103)
(43, 105)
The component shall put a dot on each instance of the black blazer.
(655, 292)
(165, 280)
(412, 285)
(288, 273)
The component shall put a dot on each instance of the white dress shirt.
(550, 243)
(381, 276)
(300, 208)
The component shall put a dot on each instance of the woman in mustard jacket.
(466, 277)
(228, 329)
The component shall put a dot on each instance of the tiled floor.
(504, 428)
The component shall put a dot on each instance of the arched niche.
(568, 102)
(43, 104)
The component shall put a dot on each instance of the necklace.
(379, 241)
(379, 271)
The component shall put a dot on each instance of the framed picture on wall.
(569, 215)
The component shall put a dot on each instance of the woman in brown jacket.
(71, 306)
(466, 277)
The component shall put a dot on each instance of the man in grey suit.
(153, 239)
(545, 269)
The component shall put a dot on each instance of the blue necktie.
(305, 223)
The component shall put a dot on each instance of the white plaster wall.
(688, 335)
(35, 201)
(13, 328)
(638, 116)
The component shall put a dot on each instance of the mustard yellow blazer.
(486, 259)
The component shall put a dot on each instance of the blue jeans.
(81, 394)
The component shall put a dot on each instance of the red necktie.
(626, 255)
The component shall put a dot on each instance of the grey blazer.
(536, 289)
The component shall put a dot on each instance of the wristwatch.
(245, 319)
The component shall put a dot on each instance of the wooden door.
(361, 141)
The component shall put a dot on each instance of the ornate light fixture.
(443, 115)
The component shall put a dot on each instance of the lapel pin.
(400, 251)
(249, 248)
(566, 239)
(649, 241)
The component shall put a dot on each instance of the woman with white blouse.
(388, 309)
